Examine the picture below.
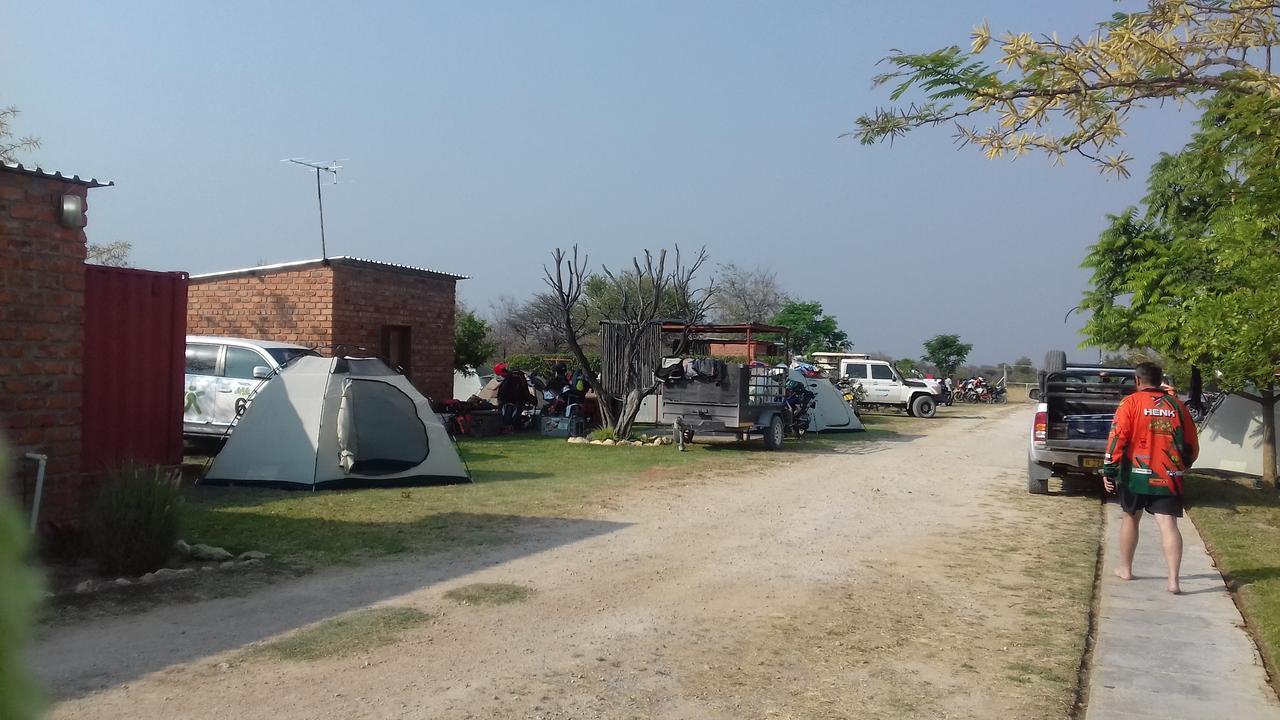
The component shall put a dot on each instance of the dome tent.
(830, 412)
(1231, 437)
(338, 422)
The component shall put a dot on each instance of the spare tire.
(1055, 361)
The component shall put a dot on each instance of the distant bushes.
(133, 524)
(544, 364)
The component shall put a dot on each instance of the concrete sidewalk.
(1167, 656)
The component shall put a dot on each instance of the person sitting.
(573, 392)
(513, 397)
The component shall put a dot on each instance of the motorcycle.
(798, 401)
(852, 392)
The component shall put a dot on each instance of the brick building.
(403, 314)
(42, 287)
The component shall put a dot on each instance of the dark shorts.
(1133, 503)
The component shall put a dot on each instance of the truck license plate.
(1091, 462)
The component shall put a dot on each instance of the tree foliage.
(633, 299)
(472, 346)
(811, 329)
(946, 353)
(115, 254)
(11, 145)
(528, 326)
(747, 295)
(1192, 275)
(1061, 96)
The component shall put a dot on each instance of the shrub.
(134, 522)
(742, 359)
(18, 696)
(543, 364)
(604, 433)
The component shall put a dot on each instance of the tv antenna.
(331, 167)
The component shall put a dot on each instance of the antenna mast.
(332, 167)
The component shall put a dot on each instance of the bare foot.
(1174, 589)
(1124, 574)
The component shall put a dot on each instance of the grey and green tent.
(338, 422)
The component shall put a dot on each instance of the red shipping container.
(135, 338)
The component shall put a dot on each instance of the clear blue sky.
(481, 135)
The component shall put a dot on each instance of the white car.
(222, 376)
(884, 387)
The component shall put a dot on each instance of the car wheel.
(774, 434)
(923, 406)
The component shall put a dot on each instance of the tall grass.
(133, 523)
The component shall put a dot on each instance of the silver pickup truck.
(1073, 418)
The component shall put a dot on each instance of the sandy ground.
(907, 578)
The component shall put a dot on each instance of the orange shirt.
(1152, 441)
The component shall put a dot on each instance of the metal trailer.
(747, 401)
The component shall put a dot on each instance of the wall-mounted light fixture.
(72, 215)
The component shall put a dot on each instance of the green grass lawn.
(1241, 526)
(517, 479)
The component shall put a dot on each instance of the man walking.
(1152, 442)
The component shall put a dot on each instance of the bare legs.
(1128, 544)
(1171, 542)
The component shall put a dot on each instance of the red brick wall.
(366, 299)
(41, 337)
(294, 307)
(339, 304)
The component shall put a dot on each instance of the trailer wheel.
(923, 406)
(774, 435)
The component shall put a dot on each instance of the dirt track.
(858, 584)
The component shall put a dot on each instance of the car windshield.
(285, 355)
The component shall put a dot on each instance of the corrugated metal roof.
(52, 175)
(339, 260)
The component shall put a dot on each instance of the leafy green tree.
(1192, 275)
(946, 353)
(1063, 96)
(811, 329)
(905, 366)
(18, 696)
(471, 344)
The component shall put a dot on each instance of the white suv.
(222, 376)
(884, 387)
